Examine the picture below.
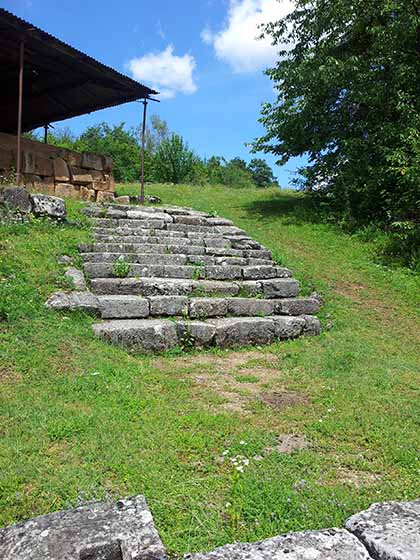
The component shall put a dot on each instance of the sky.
(202, 55)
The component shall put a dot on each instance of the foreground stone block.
(74, 301)
(168, 305)
(243, 330)
(149, 335)
(331, 544)
(17, 198)
(390, 531)
(50, 206)
(195, 333)
(77, 278)
(123, 530)
(123, 307)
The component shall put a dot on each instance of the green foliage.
(349, 98)
(174, 161)
(121, 268)
(261, 172)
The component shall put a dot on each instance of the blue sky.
(200, 53)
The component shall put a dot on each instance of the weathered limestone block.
(122, 200)
(200, 308)
(17, 198)
(92, 161)
(312, 325)
(243, 330)
(61, 170)
(102, 196)
(44, 166)
(44, 185)
(6, 159)
(196, 333)
(109, 182)
(280, 287)
(87, 194)
(288, 327)
(80, 176)
(297, 306)
(122, 530)
(142, 215)
(168, 305)
(259, 272)
(66, 190)
(222, 272)
(247, 307)
(107, 164)
(123, 307)
(149, 335)
(330, 544)
(74, 159)
(77, 278)
(28, 162)
(390, 531)
(51, 206)
(74, 301)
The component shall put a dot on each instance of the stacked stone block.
(57, 171)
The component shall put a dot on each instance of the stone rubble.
(161, 277)
(124, 530)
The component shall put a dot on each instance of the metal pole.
(143, 135)
(45, 133)
(19, 127)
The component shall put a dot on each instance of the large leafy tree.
(348, 82)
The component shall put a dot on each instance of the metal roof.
(59, 81)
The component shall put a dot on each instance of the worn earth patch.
(239, 378)
(8, 375)
(287, 443)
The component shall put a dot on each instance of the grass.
(83, 420)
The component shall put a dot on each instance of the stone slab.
(17, 198)
(123, 307)
(149, 335)
(330, 544)
(73, 301)
(48, 206)
(121, 530)
(390, 531)
(168, 305)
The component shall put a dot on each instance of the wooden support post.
(19, 126)
(143, 141)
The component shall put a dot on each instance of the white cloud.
(238, 44)
(168, 73)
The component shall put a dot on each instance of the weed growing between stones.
(121, 267)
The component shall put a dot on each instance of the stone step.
(269, 289)
(132, 306)
(122, 268)
(162, 334)
(216, 241)
(169, 248)
(165, 259)
(159, 233)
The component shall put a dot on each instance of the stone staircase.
(162, 277)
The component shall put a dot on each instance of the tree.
(174, 161)
(349, 98)
(120, 144)
(262, 175)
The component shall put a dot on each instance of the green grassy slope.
(83, 420)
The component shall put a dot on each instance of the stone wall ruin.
(57, 171)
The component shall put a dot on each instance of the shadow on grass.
(293, 207)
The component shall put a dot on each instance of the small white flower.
(225, 452)
(240, 468)
(242, 442)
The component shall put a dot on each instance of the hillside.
(201, 434)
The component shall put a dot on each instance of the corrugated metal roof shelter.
(59, 81)
(45, 80)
